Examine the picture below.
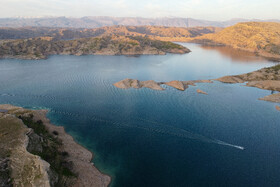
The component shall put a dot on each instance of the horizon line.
(168, 17)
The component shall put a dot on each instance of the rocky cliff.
(34, 153)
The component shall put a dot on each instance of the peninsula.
(262, 38)
(42, 47)
(33, 152)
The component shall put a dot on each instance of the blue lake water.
(157, 138)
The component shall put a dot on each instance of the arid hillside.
(42, 47)
(263, 38)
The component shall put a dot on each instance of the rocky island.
(33, 152)
(265, 78)
(42, 47)
(179, 85)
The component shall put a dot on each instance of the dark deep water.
(157, 138)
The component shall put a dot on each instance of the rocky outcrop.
(22, 168)
(266, 85)
(201, 92)
(132, 83)
(179, 85)
(272, 98)
(230, 79)
(71, 161)
(265, 78)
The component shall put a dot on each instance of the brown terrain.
(153, 32)
(266, 78)
(201, 92)
(179, 85)
(42, 47)
(261, 38)
(33, 152)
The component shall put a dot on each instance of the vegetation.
(39, 48)
(274, 68)
(48, 147)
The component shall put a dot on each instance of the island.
(179, 85)
(266, 78)
(33, 152)
(42, 47)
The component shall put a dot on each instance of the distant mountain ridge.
(94, 22)
(153, 32)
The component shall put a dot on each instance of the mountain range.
(94, 22)
(154, 32)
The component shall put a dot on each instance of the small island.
(33, 152)
(265, 78)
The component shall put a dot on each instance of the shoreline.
(48, 123)
(104, 54)
(267, 56)
(265, 78)
(86, 174)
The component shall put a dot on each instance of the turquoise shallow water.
(157, 138)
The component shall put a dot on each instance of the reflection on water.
(236, 55)
(144, 137)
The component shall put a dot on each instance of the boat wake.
(155, 127)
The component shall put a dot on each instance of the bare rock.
(151, 84)
(132, 83)
(230, 79)
(267, 84)
(128, 83)
(201, 92)
(176, 84)
(272, 98)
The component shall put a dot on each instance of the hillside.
(101, 21)
(42, 47)
(154, 32)
(262, 38)
(34, 152)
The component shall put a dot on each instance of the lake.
(144, 137)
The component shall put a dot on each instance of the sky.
(200, 9)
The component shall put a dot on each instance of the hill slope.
(263, 38)
(40, 48)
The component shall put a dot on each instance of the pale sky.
(200, 9)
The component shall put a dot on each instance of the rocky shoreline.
(77, 170)
(179, 85)
(265, 78)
